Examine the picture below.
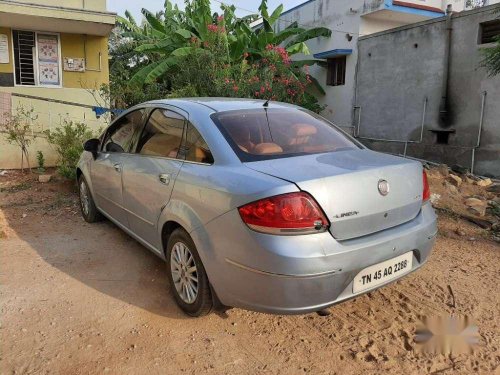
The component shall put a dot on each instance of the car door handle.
(164, 178)
(117, 167)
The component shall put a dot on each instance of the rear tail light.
(426, 194)
(292, 213)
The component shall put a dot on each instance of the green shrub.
(41, 161)
(68, 141)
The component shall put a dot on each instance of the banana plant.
(163, 39)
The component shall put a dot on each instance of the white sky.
(134, 6)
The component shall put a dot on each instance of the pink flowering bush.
(208, 72)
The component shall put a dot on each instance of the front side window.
(196, 149)
(489, 31)
(261, 134)
(124, 133)
(36, 58)
(162, 135)
(336, 71)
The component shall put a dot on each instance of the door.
(149, 174)
(106, 170)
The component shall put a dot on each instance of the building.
(421, 91)
(51, 58)
(349, 20)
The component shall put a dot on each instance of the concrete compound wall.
(399, 68)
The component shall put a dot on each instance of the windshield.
(261, 134)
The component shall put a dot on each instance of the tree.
(156, 52)
(491, 56)
(19, 130)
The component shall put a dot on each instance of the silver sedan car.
(259, 205)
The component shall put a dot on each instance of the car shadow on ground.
(99, 255)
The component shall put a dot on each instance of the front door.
(106, 171)
(149, 174)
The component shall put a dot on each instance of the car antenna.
(266, 104)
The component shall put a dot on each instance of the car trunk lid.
(346, 186)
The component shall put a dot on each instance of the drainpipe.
(443, 106)
(478, 143)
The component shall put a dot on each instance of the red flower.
(220, 19)
(235, 88)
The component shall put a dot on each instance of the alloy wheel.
(84, 197)
(184, 272)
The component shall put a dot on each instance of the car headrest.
(303, 130)
(267, 148)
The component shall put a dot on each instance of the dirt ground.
(80, 298)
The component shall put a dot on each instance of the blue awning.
(332, 53)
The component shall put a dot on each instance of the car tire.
(184, 266)
(87, 206)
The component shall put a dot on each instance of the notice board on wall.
(4, 49)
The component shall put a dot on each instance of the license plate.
(381, 273)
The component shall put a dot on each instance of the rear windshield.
(261, 134)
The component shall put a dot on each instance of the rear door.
(149, 174)
(106, 170)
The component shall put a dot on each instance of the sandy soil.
(87, 299)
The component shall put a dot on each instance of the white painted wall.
(346, 19)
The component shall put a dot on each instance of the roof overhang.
(332, 53)
(55, 19)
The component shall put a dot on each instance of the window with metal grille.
(489, 31)
(336, 71)
(24, 57)
(36, 58)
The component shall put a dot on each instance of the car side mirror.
(92, 145)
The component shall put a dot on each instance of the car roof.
(222, 104)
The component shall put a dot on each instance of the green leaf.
(310, 34)
(298, 48)
(153, 21)
(317, 85)
(286, 33)
(160, 69)
(183, 51)
(184, 33)
(276, 14)
(160, 45)
(139, 77)
(263, 9)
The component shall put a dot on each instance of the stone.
(495, 188)
(44, 178)
(451, 188)
(474, 202)
(435, 198)
(476, 206)
(469, 180)
(459, 169)
(484, 183)
(454, 180)
(443, 169)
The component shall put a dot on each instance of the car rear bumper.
(300, 274)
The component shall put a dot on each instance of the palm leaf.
(153, 21)
(286, 33)
(310, 34)
(298, 48)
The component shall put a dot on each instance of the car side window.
(123, 134)
(196, 149)
(162, 134)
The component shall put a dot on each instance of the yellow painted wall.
(7, 68)
(74, 46)
(49, 116)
